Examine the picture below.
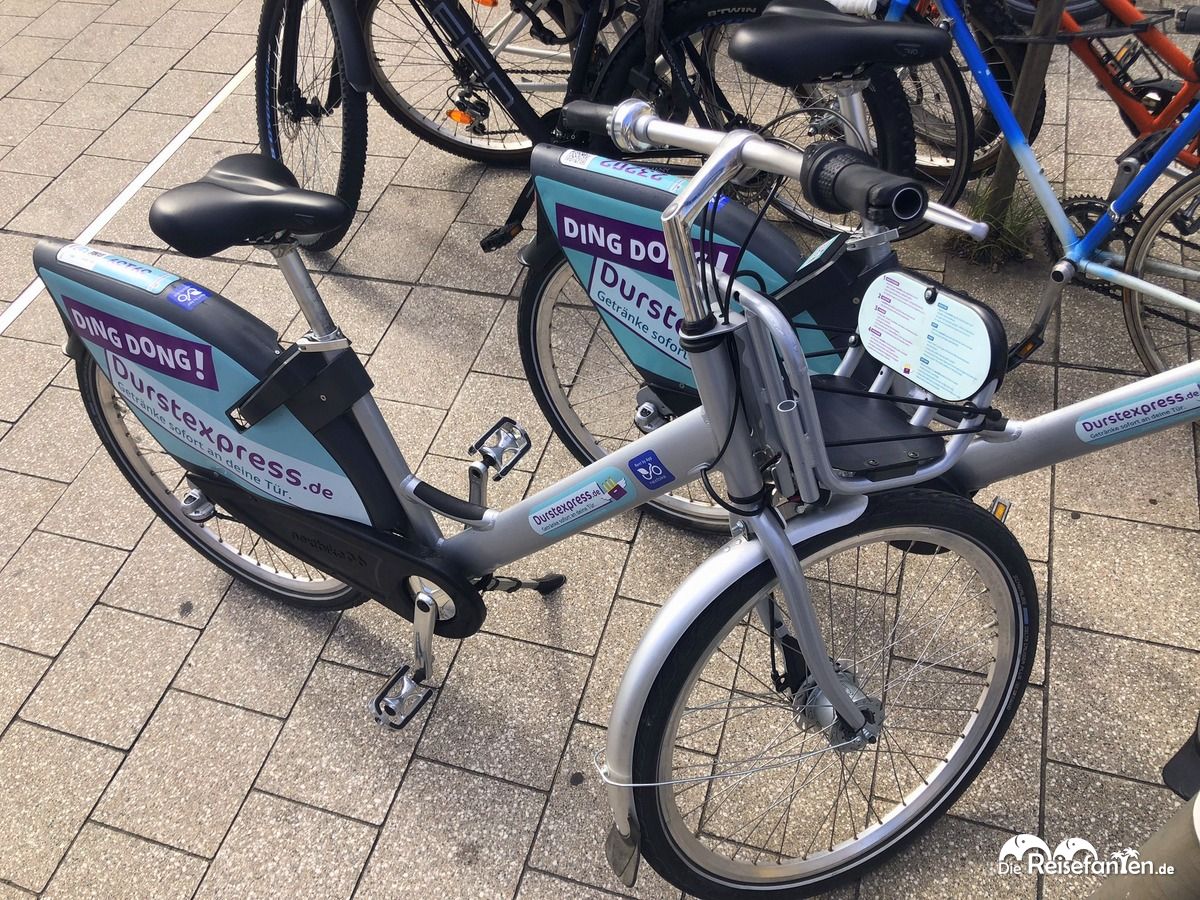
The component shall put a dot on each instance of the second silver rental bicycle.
(810, 697)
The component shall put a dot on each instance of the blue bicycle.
(1153, 258)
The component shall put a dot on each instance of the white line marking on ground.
(34, 287)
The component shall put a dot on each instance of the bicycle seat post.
(323, 331)
(854, 110)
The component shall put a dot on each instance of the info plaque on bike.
(926, 334)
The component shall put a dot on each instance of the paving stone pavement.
(167, 733)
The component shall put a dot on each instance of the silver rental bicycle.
(817, 691)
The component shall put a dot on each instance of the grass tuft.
(1010, 236)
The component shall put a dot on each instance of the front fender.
(697, 592)
(354, 44)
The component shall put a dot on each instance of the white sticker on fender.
(278, 475)
(129, 271)
(941, 344)
(577, 159)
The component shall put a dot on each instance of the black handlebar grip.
(840, 179)
(584, 115)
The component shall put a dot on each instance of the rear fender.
(183, 357)
(606, 215)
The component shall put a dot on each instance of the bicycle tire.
(382, 22)
(901, 521)
(284, 124)
(132, 453)
(891, 124)
(536, 315)
(1175, 337)
(943, 160)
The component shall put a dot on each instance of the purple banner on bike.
(630, 245)
(172, 356)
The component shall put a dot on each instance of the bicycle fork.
(712, 368)
(707, 340)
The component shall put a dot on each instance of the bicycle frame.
(1081, 251)
(779, 414)
(1166, 49)
(474, 47)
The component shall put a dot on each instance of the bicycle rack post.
(1046, 22)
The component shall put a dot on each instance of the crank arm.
(399, 701)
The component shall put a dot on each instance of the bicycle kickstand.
(402, 697)
(504, 235)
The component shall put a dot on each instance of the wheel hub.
(811, 706)
(298, 108)
(474, 108)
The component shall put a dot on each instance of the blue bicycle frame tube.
(1124, 204)
(1077, 248)
(1003, 114)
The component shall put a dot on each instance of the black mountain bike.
(486, 82)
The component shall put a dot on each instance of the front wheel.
(1166, 253)
(744, 785)
(309, 117)
(221, 538)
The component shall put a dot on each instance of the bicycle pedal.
(1000, 507)
(502, 446)
(500, 237)
(396, 708)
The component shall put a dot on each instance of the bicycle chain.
(1086, 210)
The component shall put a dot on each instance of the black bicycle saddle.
(795, 42)
(244, 199)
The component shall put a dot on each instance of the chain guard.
(1085, 211)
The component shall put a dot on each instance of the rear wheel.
(220, 538)
(943, 126)
(746, 784)
(948, 109)
(990, 22)
(430, 89)
(308, 115)
(1166, 252)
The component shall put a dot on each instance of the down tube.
(659, 462)
(1114, 417)
(1128, 199)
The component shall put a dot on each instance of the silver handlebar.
(633, 127)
